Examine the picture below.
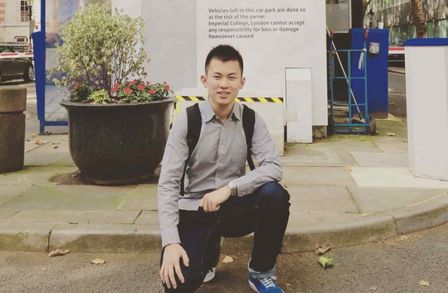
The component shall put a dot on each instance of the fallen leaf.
(404, 238)
(373, 288)
(227, 259)
(424, 283)
(38, 142)
(321, 249)
(98, 261)
(55, 147)
(325, 262)
(390, 134)
(43, 269)
(58, 252)
(348, 168)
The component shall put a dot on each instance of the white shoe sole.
(252, 286)
(209, 276)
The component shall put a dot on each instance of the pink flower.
(114, 89)
(166, 87)
(141, 87)
(132, 82)
(117, 84)
(152, 91)
(127, 91)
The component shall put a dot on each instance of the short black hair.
(224, 53)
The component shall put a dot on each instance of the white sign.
(271, 36)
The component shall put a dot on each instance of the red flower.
(152, 91)
(141, 87)
(127, 91)
(114, 89)
(166, 87)
(132, 82)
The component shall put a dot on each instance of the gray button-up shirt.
(219, 157)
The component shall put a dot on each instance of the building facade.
(397, 16)
(15, 16)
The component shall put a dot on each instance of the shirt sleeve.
(174, 157)
(266, 154)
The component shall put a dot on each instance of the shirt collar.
(209, 114)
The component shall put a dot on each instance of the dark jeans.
(264, 212)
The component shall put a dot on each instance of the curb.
(146, 238)
(397, 71)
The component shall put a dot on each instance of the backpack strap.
(248, 126)
(194, 125)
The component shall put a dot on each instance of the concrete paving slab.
(30, 144)
(143, 197)
(106, 238)
(63, 197)
(296, 155)
(391, 126)
(73, 217)
(339, 176)
(6, 214)
(35, 175)
(347, 143)
(65, 160)
(24, 237)
(335, 199)
(377, 199)
(392, 144)
(148, 217)
(392, 177)
(9, 192)
(46, 154)
(368, 159)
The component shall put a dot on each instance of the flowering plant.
(139, 91)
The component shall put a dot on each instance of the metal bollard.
(12, 127)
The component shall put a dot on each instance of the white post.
(427, 107)
(299, 114)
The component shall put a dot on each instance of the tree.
(418, 18)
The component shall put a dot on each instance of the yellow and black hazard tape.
(238, 99)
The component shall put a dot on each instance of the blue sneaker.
(265, 285)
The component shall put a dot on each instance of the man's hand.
(170, 264)
(211, 202)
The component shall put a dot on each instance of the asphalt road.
(397, 94)
(396, 265)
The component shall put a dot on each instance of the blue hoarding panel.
(377, 47)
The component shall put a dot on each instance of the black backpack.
(194, 130)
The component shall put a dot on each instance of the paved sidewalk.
(344, 190)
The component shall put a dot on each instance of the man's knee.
(273, 195)
(193, 280)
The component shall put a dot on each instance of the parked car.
(16, 68)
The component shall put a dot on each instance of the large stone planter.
(12, 127)
(116, 144)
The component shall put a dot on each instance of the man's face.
(223, 81)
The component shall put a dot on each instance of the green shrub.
(99, 49)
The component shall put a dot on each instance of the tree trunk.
(365, 3)
(418, 18)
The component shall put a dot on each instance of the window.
(25, 11)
